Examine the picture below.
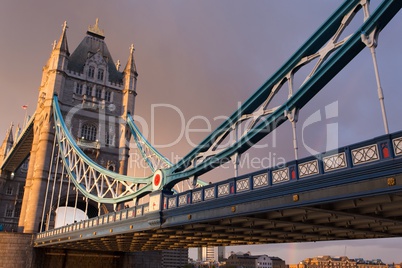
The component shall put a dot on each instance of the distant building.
(254, 261)
(221, 253)
(208, 254)
(338, 262)
(399, 265)
(159, 259)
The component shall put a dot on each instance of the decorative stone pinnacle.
(65, 26)
(132, 48)
(95, 29)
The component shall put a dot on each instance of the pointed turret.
(131, 69)
(59, 58)
(7, 144)
(62, 45)
(130, 82)
(129, 92)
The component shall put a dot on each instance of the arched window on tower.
(98, 93)
(78, 88)
(91, 71)
(108, 96)
(88, 132)
(100, 74)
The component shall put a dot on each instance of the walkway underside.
(361, 209)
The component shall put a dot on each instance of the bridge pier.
(16, 245)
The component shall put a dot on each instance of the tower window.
(88, 91)
(78, 89)
(108, 96)
(98, 93)
(9, 190)
(88, 132)
(17, 210)
(91, 71)
(100, 74)
(9, 212)
(108, 139)
(20, 191)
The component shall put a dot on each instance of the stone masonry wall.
(16, 250)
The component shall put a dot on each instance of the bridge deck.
(354, 192)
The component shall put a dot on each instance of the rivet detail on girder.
(391, 181)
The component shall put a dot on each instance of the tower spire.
(94, 30)
(131, 69)
(7, 143)
(62, 44)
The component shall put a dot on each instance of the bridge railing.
(383, 148)
(118, 216)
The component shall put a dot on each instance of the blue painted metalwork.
(205, 157)
(150, 154)
(260, 185)
(91, 179)
(324, 73)
(363, 159)
(366, 162)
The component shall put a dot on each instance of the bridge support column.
(38, 172)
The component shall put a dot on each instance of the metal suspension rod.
(295, 147)
(379, 90)
(371, 42)
(76, 202)
(380, 93)
(86, 205)
(293, 116)
(67, 197)
(61, 182)
(54, 182)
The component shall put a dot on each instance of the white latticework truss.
(91, 179)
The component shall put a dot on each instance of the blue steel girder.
(266, 121)
(154, 159)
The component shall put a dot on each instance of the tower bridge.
(75, 153)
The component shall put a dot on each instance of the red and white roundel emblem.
(157, 179)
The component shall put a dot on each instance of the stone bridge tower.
(95, 96)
